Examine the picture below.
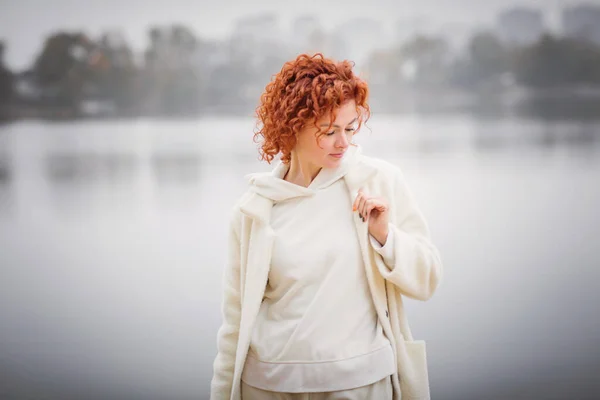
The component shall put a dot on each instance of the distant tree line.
(180, 74)
(425, 70)
(550, 62)
(6, 84)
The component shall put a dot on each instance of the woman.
(321, 251)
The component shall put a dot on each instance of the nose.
(342, 143)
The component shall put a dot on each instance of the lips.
(338, 155)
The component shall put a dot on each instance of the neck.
(301, 172)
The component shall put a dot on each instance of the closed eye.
(347, 130)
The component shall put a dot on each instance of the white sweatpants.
(380, 390)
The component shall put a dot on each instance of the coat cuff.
(387, 250)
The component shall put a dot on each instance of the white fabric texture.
(387, 250)
(416, 273)
(317, 329)
(380, 390)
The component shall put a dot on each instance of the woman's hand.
(375, 211)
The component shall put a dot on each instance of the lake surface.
(112, 244)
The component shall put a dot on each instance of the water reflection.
(181, 167)
(173, 168)
(524, 106)
(128, 257)
(90, 167)
(559, 108)
(6, 177)
(176, 168)
(523, 134)
(435, 145)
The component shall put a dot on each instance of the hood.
(272, 186)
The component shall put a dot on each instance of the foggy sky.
(25, 23)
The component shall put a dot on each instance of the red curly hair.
(305, 90)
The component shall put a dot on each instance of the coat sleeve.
(228, 333)
(387, 250)
(417, 266)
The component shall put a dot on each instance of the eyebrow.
(337, 126)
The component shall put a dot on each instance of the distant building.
(582, 22)
(520, 26)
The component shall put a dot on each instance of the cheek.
(326, 143)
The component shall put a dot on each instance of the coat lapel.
(359, 176)
(258, 208)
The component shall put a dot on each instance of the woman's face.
(328, 150)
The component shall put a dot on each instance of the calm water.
(112, 240)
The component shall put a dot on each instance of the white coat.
(416, 274)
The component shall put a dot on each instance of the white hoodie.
(317, 329)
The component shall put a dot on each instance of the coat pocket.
(414, 377)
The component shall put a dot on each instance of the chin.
(333, 163)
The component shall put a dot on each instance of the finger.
(367, 207)
(357, 200)
(361, 206)
(370, 207)
(376, 204)
(381, 205)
